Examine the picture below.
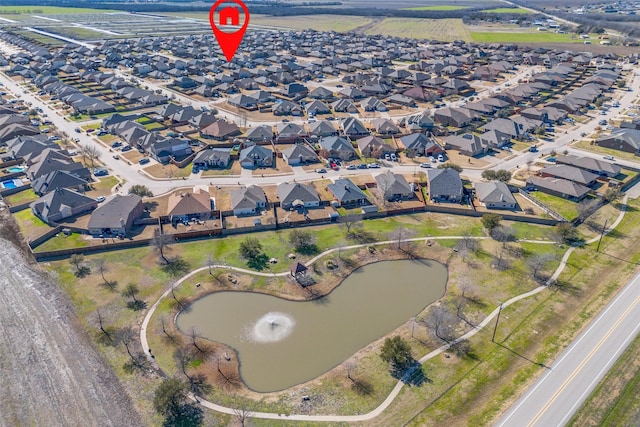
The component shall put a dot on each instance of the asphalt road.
(555, 397)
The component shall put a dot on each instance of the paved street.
(555, 397)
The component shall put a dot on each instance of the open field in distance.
(439, 29)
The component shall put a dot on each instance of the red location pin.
(228, 16)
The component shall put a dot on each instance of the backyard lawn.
(564, 207)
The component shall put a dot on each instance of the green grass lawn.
(30, 225)
(105, 184)
(22, 197)
(436, 7)
(62, 241)
(153, 126)
(528, 37)
(507, 10)
(564, 207)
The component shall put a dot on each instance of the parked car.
(440, 158)
(425, 165)
(387, 157)
(608, 157)
(322, 170)
(116, 144)
(144, 161)
(351, 167)
(373, 166)
(361, 166)
(126, 148)
(394, 157)
(602, 122)
(100, 199)
(100, 172)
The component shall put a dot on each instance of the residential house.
(558, 187)
(256, 156)
(384, 126)
(61, 203)
(339, 147)
(58, 179)
(353, 128)
(466, 144)
(14, 130)
(627, 140)
(212, 158)
(322, 128)
(220, 130)
(317, 107)
(262, 133)
(445, 185)
(116, 216)
(299, 154)
(570, 173)
(164, 150)
(290, 133)
(495, 195)
(185, 205)
(419, 144)
(393, 187)
(248, 200)
(374, 147)
(294, 195)
(347, 194)
(456, 117)
(590, 164)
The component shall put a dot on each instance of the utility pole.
(604, 227)
(495, 328)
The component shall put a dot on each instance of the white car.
(100, 199)
(608, 157)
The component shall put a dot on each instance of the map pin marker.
(228, 16)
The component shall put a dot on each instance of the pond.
(282, 343)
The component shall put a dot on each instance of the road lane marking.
(571, 347)
(586, 360)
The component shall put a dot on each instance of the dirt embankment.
(50, 373)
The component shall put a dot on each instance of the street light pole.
(495, 328)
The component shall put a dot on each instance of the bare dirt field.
(50, 372)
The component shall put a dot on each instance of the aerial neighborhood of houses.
(301, 128)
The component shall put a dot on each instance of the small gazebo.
(298, 270)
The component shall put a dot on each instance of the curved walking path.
(396, 390)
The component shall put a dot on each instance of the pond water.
(282, 343)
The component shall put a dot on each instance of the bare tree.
(586, 207)
(441, 322)
(103, 267)
(160, 243)
(90, 153)
(131, 290)
(537, 264)
(400, 235)
(242, 413)
(193, 333)
(349, 222)
(76, 260)
(105, 333)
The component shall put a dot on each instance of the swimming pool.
(8, 184)
(15, 169)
